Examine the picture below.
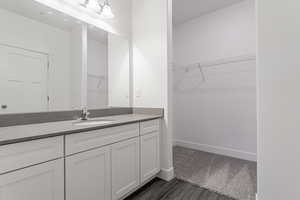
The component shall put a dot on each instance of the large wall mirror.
(52, 62)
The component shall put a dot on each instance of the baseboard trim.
(166, 174)
(217, 150)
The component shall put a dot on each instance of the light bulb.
(106, 12)
(93, 5)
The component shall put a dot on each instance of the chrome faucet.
(84, 114)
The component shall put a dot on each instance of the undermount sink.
(92, 122)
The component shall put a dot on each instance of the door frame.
(48, 65)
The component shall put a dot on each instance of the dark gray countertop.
(17, 134)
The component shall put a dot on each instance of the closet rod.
(237, 59)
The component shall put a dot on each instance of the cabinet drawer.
(151, 126)
(20, 155)
(93, 139)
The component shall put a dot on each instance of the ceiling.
(36, 11)
(184, 10)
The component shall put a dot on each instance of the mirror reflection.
(97, 68)
(46, 64)
(108, 70)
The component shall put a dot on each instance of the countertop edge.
(63, 133)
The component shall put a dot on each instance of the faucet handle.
(84, 114)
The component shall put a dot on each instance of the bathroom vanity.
(52, 66)
(75, 162)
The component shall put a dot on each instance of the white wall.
(149, 38)
(97, 94)
(278, 99)
(29, 34)
(220, 114)
(150, 23)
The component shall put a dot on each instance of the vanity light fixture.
(103, 9)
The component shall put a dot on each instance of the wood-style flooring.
(175, 190)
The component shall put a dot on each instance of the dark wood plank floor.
(175, 190)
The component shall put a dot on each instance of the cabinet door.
(125, 167)
(88, 175)
(150, 156)
(40, 182)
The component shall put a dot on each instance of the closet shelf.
(201, 65)
(225, 61)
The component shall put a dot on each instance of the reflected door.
(23, 81)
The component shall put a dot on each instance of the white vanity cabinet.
(104, 164)
(32, 170)
(125, 167)
(110, 163)
(24, 154)
(44, 181)
(104, 173)
(88, 175)
(150, 145)
(150, 156)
